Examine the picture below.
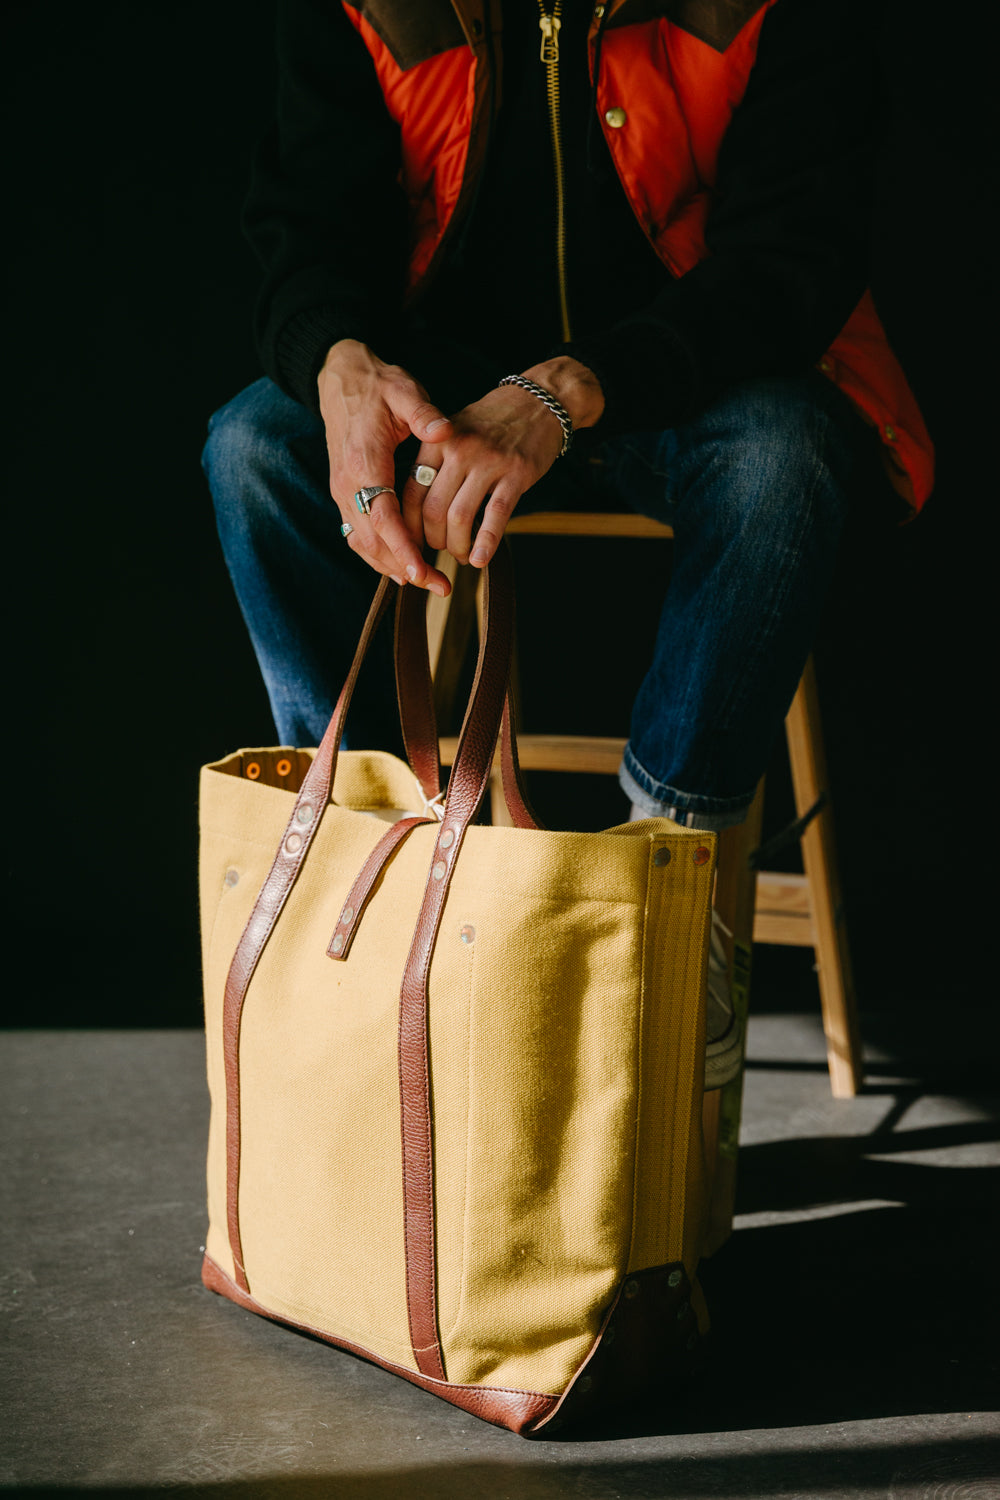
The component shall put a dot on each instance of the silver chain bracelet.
(555, 407)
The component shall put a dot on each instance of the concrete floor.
(854, 1353)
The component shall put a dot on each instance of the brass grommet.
(252, 770)
(283, 767)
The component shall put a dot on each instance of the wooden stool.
(764, 907)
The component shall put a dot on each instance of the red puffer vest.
(666, 91)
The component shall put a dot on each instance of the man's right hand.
(368, 409)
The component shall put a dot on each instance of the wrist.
(574, 387)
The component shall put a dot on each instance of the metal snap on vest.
(304, 813)
(447, 838)
(439, 869)
(675, 1278)
(615, 117)
(631, 1289)
(293, 843)
(661, 857)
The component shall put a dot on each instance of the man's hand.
(368, 409)
(497, 449)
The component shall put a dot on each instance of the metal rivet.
(675, 1278)
(610, 1334)
(283, 767)
(631, 1289)
(305, 812)
(615, 117)
(661, 857)
(232, 877)
(337, 943)
(447, 838)
(598, 12)
(253, 770)
(702, 855)
(468, 933)
(683, 1310)
(347, 915)
(584, 1385)
(293, 843)
(439, 869)
(890, 433)
(692, 1341)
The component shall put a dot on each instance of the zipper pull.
(549, 26)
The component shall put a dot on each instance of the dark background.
(129, 134)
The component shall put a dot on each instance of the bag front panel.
(533, 1224)
(541, 1047)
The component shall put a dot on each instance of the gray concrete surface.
(854, 1309)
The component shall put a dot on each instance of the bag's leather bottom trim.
(648, 1336)
(519, 1411)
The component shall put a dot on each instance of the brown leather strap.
(415, 692)
(306, 814)
(469, 780)
(363, 888)
(514, 793)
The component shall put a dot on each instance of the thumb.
(409, 404)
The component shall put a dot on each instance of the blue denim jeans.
(756, 488)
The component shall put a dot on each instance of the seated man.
(655, 218)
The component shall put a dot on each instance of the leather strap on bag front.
(469, 779)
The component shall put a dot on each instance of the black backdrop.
(130, 131)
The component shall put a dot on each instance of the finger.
(415, 490)
(498, 512)
(392, 532)
(437, 502)
(462, 513)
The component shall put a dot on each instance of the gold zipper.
(549, 24)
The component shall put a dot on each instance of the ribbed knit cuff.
(303, 344)
(648, 377)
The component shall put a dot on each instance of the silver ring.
(363, 498)
(346, 529)
(423, 474)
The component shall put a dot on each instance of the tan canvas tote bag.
(455, 1070)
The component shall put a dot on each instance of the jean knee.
(251, 448)
(786, 452)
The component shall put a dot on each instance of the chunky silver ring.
(346, 529)
(423, 474)
(363, 498)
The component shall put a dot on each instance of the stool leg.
(735, 891)
(806, 754)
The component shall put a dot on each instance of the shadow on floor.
(898, 1470)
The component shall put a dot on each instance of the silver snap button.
(337, 943)
(439, 869)
(305, 812)
(447, 838)
(468, 933)
(232, 877)
(661, 857)
(631, 1289)
(675, 1278)
(293, 843)
(347, 915)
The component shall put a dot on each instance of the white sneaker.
(723, 1032)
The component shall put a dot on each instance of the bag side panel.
(669, 1205)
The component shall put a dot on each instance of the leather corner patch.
(413, 33)
(715, 22)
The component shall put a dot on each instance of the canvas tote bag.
(455, 1070)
